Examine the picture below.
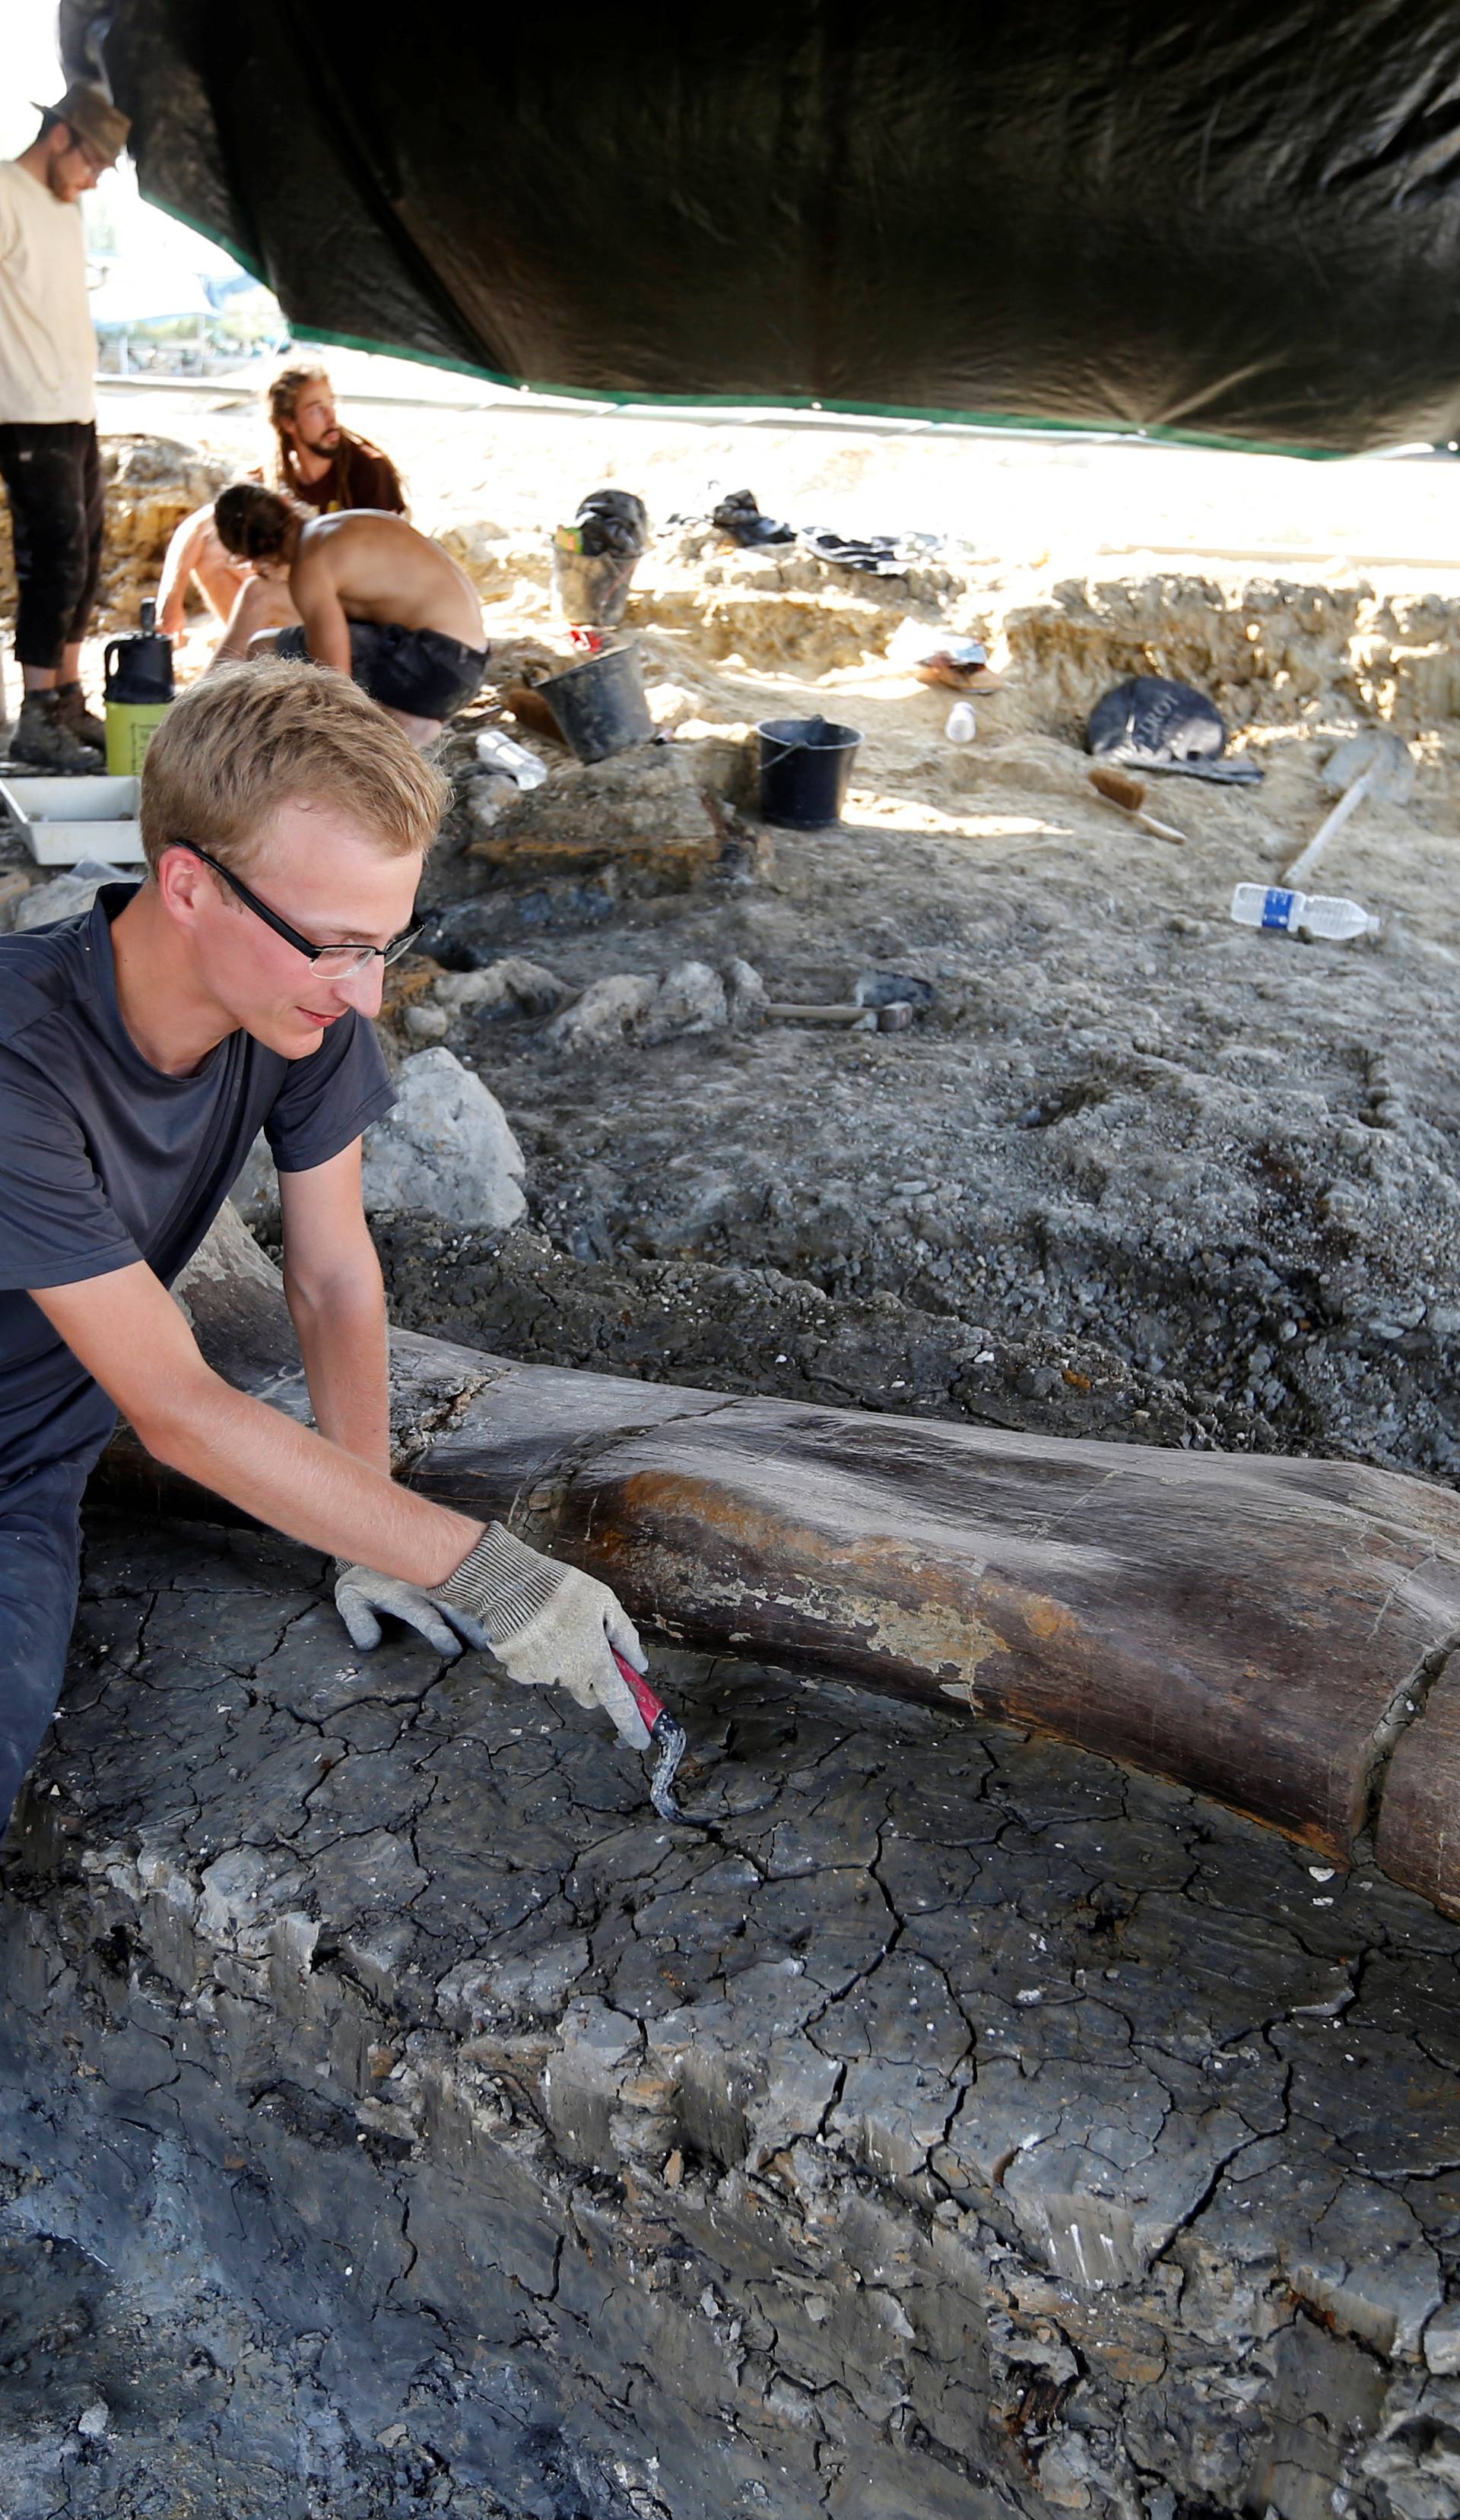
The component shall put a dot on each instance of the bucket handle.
(803, 743)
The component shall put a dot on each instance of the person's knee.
(264, 604)
(58, 550)
(65, 583)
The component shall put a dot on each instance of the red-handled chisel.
(665, 1741)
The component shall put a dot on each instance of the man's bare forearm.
(327, 634)
(233, 648)
(345, 1344)
(306, 1485)
(178, 568)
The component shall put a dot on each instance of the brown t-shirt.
(361, 477)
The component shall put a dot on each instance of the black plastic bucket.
(806, 769)
(599, 705)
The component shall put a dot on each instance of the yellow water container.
(138, 693)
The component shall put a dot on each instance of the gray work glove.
(362, 1597)
(548, 1625)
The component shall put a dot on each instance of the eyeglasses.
(332, 961)
(96, 163)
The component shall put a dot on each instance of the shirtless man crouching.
(376, 600)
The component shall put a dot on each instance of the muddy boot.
(76, 717)
(43, 737)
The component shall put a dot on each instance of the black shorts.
(52, 473)
(421, 672)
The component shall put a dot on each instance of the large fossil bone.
(1273, 1631)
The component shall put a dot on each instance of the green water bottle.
(138, 691)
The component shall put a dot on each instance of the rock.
(255, 1192)
(646, 808)
(513, 986)
(631, 1007)
(468, 935)
(151, 463)
(745, 996)
(446, 1146)
(425, 1023)
(669, 704)
(892, 989)
(13, 887)
(688, 999)
(608, 1011)
(93, 2421)
(151, 483)
(64, 896)
(488, 798)
(484, 551)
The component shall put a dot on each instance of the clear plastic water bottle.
(1319, 914)
(961, 726)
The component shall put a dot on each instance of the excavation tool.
(884, 1002)
(1117, 788)
(1376, 763)
(665, 1741)
(857, 1018)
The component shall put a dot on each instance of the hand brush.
(1117, 788)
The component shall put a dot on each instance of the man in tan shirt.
(48, 450)
(374, 597)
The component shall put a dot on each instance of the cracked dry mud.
(397, 2116)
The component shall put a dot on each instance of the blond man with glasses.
(143, 1045)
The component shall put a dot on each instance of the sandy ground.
(1135, 1167)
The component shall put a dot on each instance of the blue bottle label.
(1277, 907)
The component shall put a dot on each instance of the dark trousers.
(52, 473)
(40, 1542)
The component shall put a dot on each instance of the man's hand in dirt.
(549, 1626)
(363, 1599)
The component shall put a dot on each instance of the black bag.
(1152, 724)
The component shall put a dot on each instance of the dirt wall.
(151, 485)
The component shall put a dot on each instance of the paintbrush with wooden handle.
(1117, 788)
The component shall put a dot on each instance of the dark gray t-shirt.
(104, 1161)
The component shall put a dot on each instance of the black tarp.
(1240, 221)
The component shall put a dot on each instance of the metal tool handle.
(649, 1706)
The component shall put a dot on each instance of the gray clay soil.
(956, 2127)
(1135, 1170)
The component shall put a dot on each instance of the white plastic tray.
(64, 820)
